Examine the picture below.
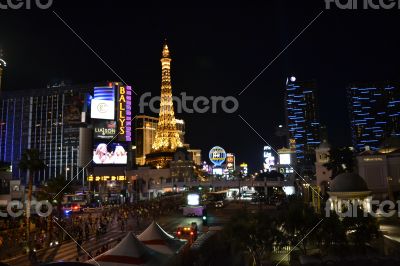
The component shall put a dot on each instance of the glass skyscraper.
(302, 120)
(374, 111)
(47, 120)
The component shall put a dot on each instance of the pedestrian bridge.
(219, 184)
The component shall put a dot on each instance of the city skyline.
(204, 67)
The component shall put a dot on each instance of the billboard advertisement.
(284, 158)
(102, 109)
(105, 129)
(230, 161)
(269, 159)
(112, 153)
(124, 111)
(217, 155)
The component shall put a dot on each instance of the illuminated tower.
(3, 64)
(167, 137)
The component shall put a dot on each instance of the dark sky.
(217, 49)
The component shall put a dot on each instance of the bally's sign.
(125, 113)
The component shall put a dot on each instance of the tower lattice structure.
(167, 137)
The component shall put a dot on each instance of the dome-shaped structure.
(390, 144)
(324, 145)
(348, 182)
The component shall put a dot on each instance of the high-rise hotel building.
(302, 119)
(44, 119)
(374, 111)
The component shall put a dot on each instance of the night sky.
(217, 49)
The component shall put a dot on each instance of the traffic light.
(205, 217)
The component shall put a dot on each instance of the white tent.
(157, 239)
(130, 251)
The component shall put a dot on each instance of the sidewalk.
(67, 250)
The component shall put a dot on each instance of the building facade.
(374, 111)
(145, 131)
(322, 174)
(381, 169)
(47, 120)
(302, 120)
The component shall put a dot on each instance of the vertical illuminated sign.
(230, 161)
(125, 113)
(269, 159)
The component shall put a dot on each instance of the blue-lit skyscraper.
(302, 120)
(374, 111)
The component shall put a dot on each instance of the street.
(67, 251)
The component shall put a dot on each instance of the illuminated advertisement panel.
(269, 159)
(284, 158)
(104, 93)
(217, 171)
(102, 109)
(113, 153)
(230, 161)
(193, 199)
(125, 113)
(106, 178)
(104, 129)
(217, 155)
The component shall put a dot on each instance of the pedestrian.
(79, 246)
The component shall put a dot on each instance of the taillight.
(191, 233)
(179, 232)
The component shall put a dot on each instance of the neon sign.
(106, 178)
(125, 113)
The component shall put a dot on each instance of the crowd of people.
(81, 227)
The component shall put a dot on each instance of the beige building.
(381, 169)
(145, 131)
(323, 175)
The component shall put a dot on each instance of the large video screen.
(101, 109)
(105, 129)
(113, 153)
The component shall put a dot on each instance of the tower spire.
(167, 137)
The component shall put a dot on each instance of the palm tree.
(340, 160)
(254, 233)
(32, 163)
(51, 193)
(297, 221)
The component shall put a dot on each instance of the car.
(219, 204)
(68, 208)
(187, 232)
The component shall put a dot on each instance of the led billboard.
(113, 153)
(284, 158)
(102, 109)
(193, 199)
(269, 159)
(105, 129)
(217, 155)
(230, 161)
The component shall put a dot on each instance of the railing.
(220, 184)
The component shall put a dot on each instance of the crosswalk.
(67, 251)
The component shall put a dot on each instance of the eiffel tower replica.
(167, 138)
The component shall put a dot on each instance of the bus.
(74, 202)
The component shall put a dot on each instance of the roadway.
(67, 251)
